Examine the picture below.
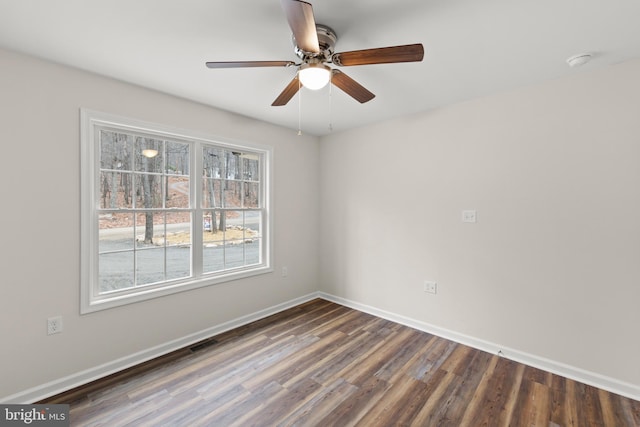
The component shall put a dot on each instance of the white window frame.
(91, 299)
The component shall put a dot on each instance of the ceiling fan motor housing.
(327, 39)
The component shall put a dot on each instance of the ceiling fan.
(314, 44)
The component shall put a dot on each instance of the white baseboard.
(606, 383)
(61, 385)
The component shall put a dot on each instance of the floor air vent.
(202, 344)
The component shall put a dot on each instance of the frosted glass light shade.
(314, 76)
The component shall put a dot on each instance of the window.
(165, 210)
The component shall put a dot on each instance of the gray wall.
(552, 266)
(39, 112)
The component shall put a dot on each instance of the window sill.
(92, 304)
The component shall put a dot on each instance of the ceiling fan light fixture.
(314, 76)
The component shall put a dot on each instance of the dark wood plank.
(297, 365)
(631, 409)
(612, 412)
(272, 409)
(588, 405)
(395, 367)
(537, 375)
(324, 364)
(362, 369)
(453, 410)
(442, 386)
(342, 357)
(493, 394)
(358, 404)
(432, 359)
(534, 405)
(387, 412)
(480, 398)
(323, 402)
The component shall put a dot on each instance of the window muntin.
(155, 234)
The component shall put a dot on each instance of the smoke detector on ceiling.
(578, 60)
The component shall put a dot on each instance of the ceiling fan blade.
(288, 92)
(241, 64)
(381, 55)
(303, 24)
(351, 87)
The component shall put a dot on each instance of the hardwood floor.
(324, 364)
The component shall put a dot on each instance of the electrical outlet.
(54, 325)
(285, 271)
(431, 287)
(469, 216)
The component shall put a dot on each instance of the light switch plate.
(430, 287)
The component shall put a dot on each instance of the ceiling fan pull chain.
(331, 103)
(299, 108)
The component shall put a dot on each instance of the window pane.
(213, 241)
(115, 190)
(178, 262)
(251, 194)
(115, 150)
(178, 229)
(233, 220)
(177, 192)
(242, 235)
(211, 193)
(253, 251)
(253, 237)
(232, 194)
(232, 165)
(149, 228)
(149, 266)
(148, 191)
(213, 162)
(148, 154)
(116, 232)
(213, 258)
(253, 224)
(115, 271)
(177, 158)
(251, 167)
(234, 254)
(179, 245)
(208, 222)
(213, 226)
(213, 222)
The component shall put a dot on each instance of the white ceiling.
(472, 48)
